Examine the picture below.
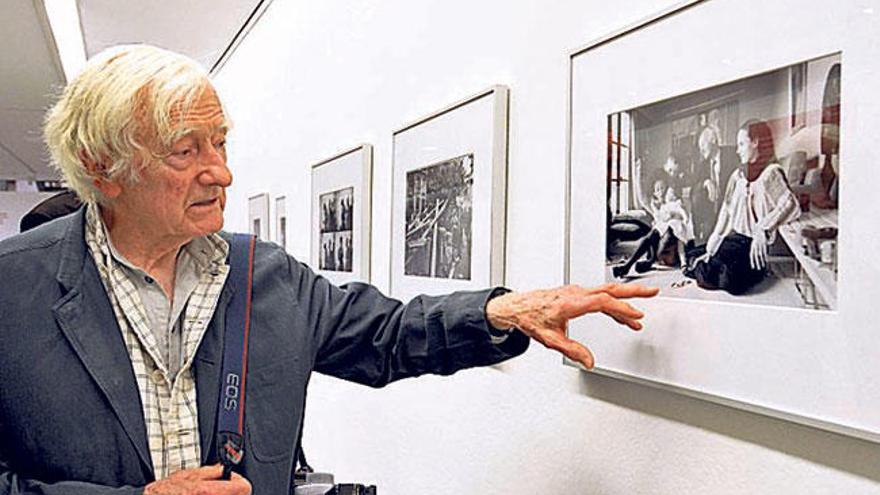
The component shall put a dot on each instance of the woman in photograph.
(756, 202)
(672, 228)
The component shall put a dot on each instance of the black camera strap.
(230, 413)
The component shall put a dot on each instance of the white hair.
(117, 114)
(709, 135)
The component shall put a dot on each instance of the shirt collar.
(208, 251)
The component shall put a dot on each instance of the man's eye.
(185, 152)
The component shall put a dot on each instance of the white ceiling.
(30, 71)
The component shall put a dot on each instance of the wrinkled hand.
(544, 314)
(758, 250)
(199, 481)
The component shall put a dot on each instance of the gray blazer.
(71, 420)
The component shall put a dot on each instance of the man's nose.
(216, 172)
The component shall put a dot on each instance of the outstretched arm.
(544, 314)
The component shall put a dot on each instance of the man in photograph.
(112, 350)
(711, 175)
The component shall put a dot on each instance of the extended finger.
(629, 322)
(610, 305)
(624, 291)
(605, 303)
(569, 348)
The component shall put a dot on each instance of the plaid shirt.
(169, 403)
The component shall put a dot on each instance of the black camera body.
(310, 483)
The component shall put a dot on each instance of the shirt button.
(157, 377)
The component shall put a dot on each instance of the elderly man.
(716, 164)
(112, 345)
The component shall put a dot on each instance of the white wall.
(13, 206)
(314, 78)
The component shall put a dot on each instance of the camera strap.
(230, 413)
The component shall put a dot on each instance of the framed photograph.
(341, 204)
(281, 221)
(448, 198)
(714, 170)
(258, 216)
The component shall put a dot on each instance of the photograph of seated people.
(757, 200)
(110, 373)
(742, 181)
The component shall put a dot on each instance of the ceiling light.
(66, 29)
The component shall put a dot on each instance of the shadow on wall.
(849, 454)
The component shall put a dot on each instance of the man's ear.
(109, 188)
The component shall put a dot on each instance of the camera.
(311, 483)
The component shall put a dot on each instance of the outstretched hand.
(544, 314)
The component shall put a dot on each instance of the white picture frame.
(812, 367)
(341, 206)
(281, 221)
(258, 216)
(452, 240)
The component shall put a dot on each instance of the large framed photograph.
(258, 216)
(448, 204)
(725, 172)
(341, 204)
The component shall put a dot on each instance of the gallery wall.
(13, 206)
(315, 78)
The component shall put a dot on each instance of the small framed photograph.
(730, 174)
(281, 221)
(341, 204)
(258, 216)
(448, 198)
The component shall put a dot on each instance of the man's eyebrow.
(223, 127)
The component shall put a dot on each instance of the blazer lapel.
(207, 367)
(86, 319)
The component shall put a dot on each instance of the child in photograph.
(672, 229)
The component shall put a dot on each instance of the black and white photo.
(258, 216)
(730, 193)
(341, 204)
(761, 126)
(337, 221)
(448, 210)
(439, 212)
(281, 221)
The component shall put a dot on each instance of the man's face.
(671, 167)
(182, 195)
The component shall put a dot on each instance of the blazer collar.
(85, 316)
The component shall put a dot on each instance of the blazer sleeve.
(13, 484)
(363, 336)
